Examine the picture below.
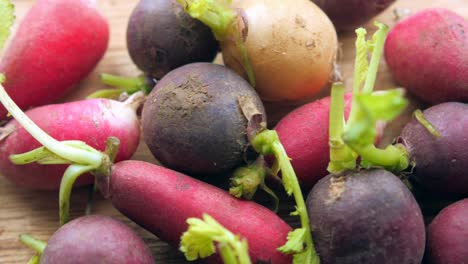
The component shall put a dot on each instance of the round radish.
(440, 163)
(52, 51)
(350, 14)
(365, 217)
(427, 53)
(192, 120)
(285, 48)
(162, 37)
(94, 239)
(447, 235)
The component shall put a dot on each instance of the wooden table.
(36, 213)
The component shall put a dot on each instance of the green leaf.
(199, 241)
(295, 242)
(361, 64)
(381, 105)
(7, 17)
(2, 78)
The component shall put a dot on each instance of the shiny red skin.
(427, 53)
(96, 239)
(161, 200)
(447, 235)
(304, 135)
(91, 121)
(57, 44)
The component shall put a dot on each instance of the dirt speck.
(336, 188)
(184, 99)
(310, 44)
(300, 21)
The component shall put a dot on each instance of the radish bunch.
(207, 121)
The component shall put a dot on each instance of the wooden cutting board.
(36, 213)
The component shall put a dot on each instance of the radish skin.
(52, 51)
(304, 135)
(169, 198)
(91, 121)
(427, 53)
(291, 45)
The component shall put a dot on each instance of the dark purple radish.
(360, 214)
(162, 37)
(440, 163)
(447, 235)
(93, 239)
(350, 14)
(193, 122)
(365, 217)
(91, 121)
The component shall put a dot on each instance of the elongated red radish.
(161, 200)
(58, 43)
(91, 121)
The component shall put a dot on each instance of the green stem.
(35, 244)
(212, 13)
(360, 69)
(378, 48)
(419, 115)
(267, 142)
(299, 199)
(129, 85)
(34, 260)
(225, 23)
(69, 177)
(341, 157)
(227, 254)
(243, 252)
(246, 180)
(242, 49)
(76, 155)
(394, 158)
(106, 93)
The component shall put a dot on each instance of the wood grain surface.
(36, 213)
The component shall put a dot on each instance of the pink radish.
(58, 43)
(427, 53)
(91, 121)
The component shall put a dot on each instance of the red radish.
(161, 200)
(427, 53)
(91, 121)
(304, 134)
(447, 235)
(58, 43)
